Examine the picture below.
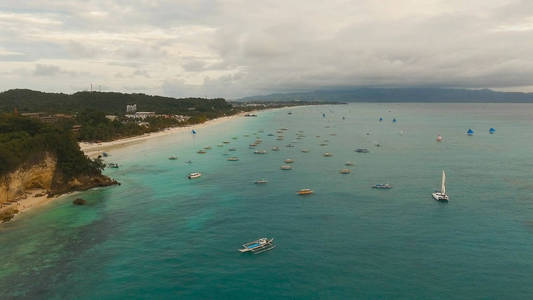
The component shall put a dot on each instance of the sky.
(239, 48)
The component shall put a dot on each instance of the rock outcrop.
(44, 174)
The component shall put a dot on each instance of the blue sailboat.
(470, 132)
(492, 130)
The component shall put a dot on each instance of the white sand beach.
(94, 149)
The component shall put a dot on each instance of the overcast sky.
(238, 48)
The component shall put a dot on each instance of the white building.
(131, 109)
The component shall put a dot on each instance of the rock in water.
(79, 201)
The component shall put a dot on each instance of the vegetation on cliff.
(24, 140)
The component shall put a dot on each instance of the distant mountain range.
(398, 95)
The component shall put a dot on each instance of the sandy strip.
(33, 198)
(94, 149)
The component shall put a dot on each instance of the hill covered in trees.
(399, 95)
(24, 140)
(109, 102)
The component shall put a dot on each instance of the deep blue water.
(160, 235)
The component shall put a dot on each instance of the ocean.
(160, 235)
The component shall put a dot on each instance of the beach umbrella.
(380, 119)
(394, 120)
(492, 130)
(439, 138)
(470, 132)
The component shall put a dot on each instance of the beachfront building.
(141, 115)
(181, 118)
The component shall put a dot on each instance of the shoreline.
(92, 150)
(35, 198)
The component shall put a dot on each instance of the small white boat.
(441, 196)
(382, 186)
(258, 246)
(113, 165)
(289, 161)
(173, 157)
(305, 150)
(232, 149)
(261, 181)
(349, 163)
(260, 152)
(233, 158)
(327, 154)
(275, 148)
(345, 171)
(194, 175)
(286, 167)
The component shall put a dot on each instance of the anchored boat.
(194, 175)
(382, 186)
(258, 246)
(441, 196)
(305, 192)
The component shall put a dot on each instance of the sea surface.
(160, 235)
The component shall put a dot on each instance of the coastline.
(92, 150)
(32, 198)
(35, 198)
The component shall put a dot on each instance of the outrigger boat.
(258, 246)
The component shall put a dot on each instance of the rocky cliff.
(43, 173)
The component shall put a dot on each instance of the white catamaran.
(441, 196)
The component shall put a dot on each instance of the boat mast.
(443, 185)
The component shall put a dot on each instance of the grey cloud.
(237, 48)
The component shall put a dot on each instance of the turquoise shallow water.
(160, 235)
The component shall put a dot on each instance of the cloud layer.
(236, 48)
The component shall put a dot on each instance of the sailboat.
(441, 196)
